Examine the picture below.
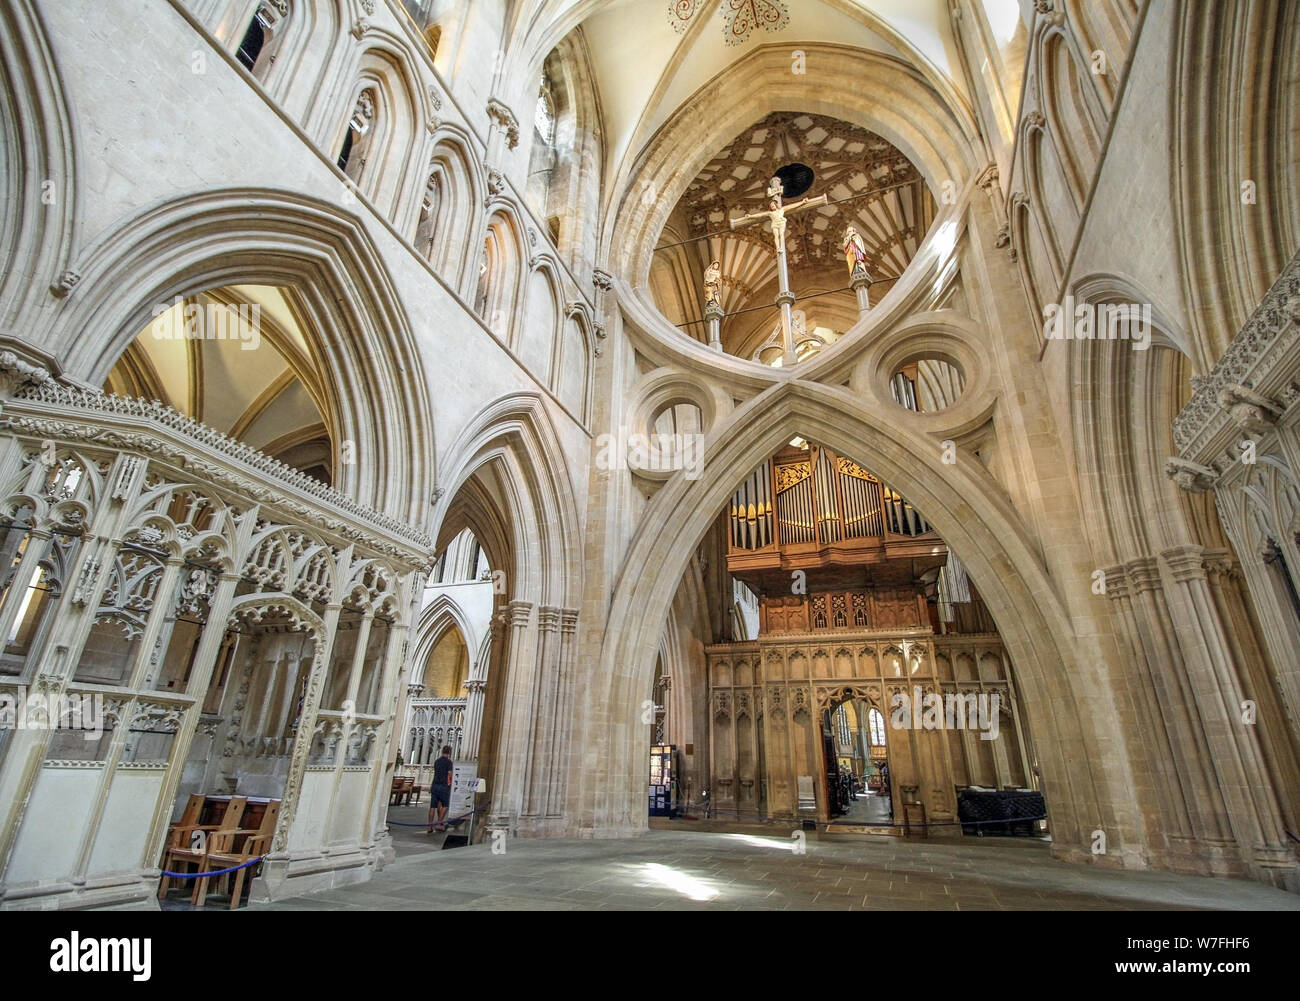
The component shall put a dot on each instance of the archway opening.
(857, 763)
(876, 214)
(875, 669)
(240, 359)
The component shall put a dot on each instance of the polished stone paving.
(667, 870)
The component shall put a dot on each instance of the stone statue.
(775, 191)
(855, 250)
(712, 277)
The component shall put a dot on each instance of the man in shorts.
(440, 793)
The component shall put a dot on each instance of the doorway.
(858, 785)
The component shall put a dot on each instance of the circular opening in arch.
(927, 385)
(677, 417)
(797, 178)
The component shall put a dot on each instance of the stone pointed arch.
(515, 436)
(259, 236)
(450, 229)
(38, 173)
(1063, 683)
(387, 65)
(436, 618)
(502, 248)
(899, 106)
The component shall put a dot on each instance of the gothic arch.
(1038, 157)
(38, 172)
(502, 270)
(575, 346)
(508, 461)
(1034, 257)
(256, 236)
(1060, 677)
(1231, 250)
(515, 435)
(1075, 124)
(939, 140)
(390, 175)
(434, 621)
(538, 336)
(459, 176)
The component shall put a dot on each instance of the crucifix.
(776, 216)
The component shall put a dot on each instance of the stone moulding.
(48, 409)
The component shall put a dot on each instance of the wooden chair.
(190, 816)
(415, 793)
(179, 850)
(227, 849)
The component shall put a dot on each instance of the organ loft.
(862, 610)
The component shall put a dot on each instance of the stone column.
(713, 315)
(1253, 811)
(358, 659)
(1164, 811)
(564, 711)
(511, 768)
(1190, 791)
(542, 746)
(860, 282)
(387, 704)
(205, 661)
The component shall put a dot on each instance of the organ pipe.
(821, 499)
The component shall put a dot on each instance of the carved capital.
(603, 280)
(1186, 563)
(499, 114)
(1117, 583)
(1034, 119)
(988, 177)
(548, 619)
(1143, 574)
(1220, 566)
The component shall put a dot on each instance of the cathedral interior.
(832, 423)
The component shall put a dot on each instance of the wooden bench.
(402, 790)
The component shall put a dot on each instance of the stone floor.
(867, 808)
(667, 870)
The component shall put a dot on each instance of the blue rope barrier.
(219, 872)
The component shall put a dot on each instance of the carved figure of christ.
(784, 297)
